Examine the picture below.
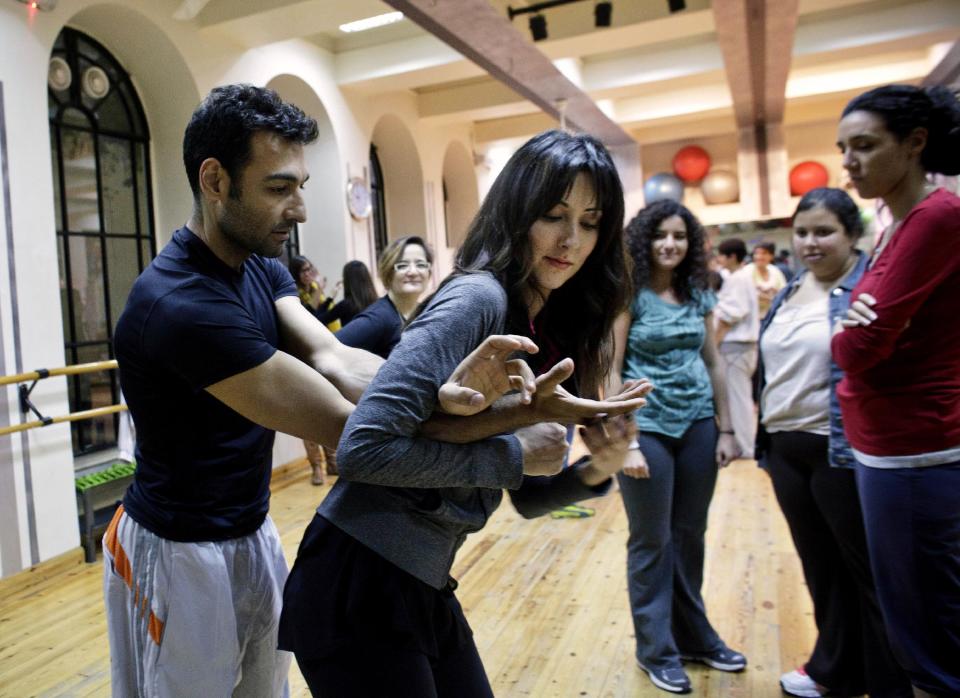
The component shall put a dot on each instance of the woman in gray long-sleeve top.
(369, 607)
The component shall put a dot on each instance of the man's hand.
(608, 441)
(544, 447)
(551, 402)
(487, 373)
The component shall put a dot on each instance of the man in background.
(737, 316)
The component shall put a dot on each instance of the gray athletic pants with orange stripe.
(194, 619)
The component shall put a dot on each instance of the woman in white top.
(801, 443)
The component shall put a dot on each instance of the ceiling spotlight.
(538, 27)
(676, 5)
(601, 13)
(43, 5)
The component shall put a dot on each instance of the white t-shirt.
(737, 306)
(796, 362)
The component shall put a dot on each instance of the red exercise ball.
(807, 175)
(691, 163)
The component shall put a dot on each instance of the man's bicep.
(285, 394)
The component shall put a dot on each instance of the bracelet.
(633, 445)
(725, 432)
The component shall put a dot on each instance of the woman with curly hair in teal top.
(668, 481)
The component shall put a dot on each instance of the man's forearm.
(350, 370)
(721, 331)
(504, 416)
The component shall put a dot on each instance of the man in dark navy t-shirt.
(215, 353)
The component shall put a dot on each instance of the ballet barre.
(26, 406)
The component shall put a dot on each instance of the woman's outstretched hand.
(553, 403)
(487, 373)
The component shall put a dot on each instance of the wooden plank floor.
(546, 598)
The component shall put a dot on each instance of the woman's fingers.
(632, 389)
(549, 381)
(500, 346)
(521, 379)
(860, 313)
(460, 400)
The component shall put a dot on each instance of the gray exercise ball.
(663, 185)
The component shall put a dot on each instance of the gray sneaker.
(724, 659)
(673, 679)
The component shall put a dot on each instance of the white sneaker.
(797, 683)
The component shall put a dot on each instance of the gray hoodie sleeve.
(380, 443)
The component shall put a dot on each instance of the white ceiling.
(653, 73)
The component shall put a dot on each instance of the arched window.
(378, 202)
(104, 214)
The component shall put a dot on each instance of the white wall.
(173, 65)
(40, 459)
(461, 183)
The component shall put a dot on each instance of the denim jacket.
(839, 452)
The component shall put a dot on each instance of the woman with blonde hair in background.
(404, 267)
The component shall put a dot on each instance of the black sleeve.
(537, 496)
(326, 315)
(368, 330)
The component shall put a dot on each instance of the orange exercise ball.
(691, 163)
(720, 187)
(807, 175)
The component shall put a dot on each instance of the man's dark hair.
(221, 128)
(766, 245)
(733, 246)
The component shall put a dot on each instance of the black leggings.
(822, 508)
(377, 671)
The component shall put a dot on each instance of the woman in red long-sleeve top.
(900, 348)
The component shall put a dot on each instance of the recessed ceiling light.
(371, 22)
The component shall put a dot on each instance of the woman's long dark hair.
(358, 289)
(297, 263)
(691, 273)
(905, 107)
(578, 316)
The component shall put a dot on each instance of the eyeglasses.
(403, 267)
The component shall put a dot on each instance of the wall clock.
(358, 198)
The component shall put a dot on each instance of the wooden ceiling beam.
(481, 34)
(947, 71)
(756, 40)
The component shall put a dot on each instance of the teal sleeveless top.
(663, 345)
